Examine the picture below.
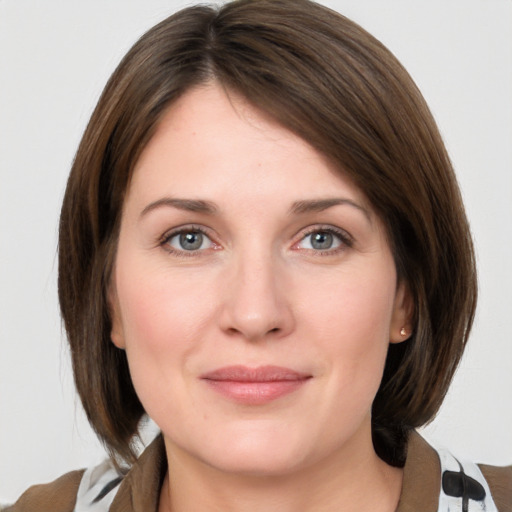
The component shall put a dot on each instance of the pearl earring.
(403, 331)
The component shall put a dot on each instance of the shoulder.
(57, 496)
(101, 488)
(500, 483)
(437, 481)
(92, 489)
(463, 481)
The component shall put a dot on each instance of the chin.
(261, 449)
(261, 461)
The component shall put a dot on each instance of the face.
(254, 292)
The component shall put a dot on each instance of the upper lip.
(240, 373)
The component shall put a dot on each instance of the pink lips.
(255, 386)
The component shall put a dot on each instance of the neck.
(342, 482)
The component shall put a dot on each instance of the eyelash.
(167, 237)
(346, 241)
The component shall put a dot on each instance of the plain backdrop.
(55, 57)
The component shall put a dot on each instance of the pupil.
(321, 240)
(191, 241)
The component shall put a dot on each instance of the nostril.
(233, 331)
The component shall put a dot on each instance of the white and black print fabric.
(98, 488)
(463, 487)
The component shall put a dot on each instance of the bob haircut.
(327, 80)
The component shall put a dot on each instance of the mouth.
(255, 386)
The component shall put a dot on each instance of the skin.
(257, 291)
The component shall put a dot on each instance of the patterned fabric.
(98, 488)
(463, 487)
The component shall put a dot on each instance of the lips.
(255, 386)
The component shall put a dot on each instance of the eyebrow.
(207, 207)
(190, 205)
(319, 205)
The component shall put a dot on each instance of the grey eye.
(321, 240)
(191, 241)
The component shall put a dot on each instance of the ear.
(401, 326)
(116, 331)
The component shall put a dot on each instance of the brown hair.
(327, 80)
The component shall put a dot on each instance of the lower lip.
(255, 393)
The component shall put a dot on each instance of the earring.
(403, 331)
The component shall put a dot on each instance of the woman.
(263, 247)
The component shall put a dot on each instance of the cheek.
(352, 327)
(162, 309)
(164, 319)
(357, 308)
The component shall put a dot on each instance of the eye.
(187, 240)
(321, 240)
(324, 240)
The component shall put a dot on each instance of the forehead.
(211, 142)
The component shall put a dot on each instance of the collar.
(140, 488)
(422, 477)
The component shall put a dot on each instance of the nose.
(256, 303)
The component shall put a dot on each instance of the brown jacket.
(140, 489)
